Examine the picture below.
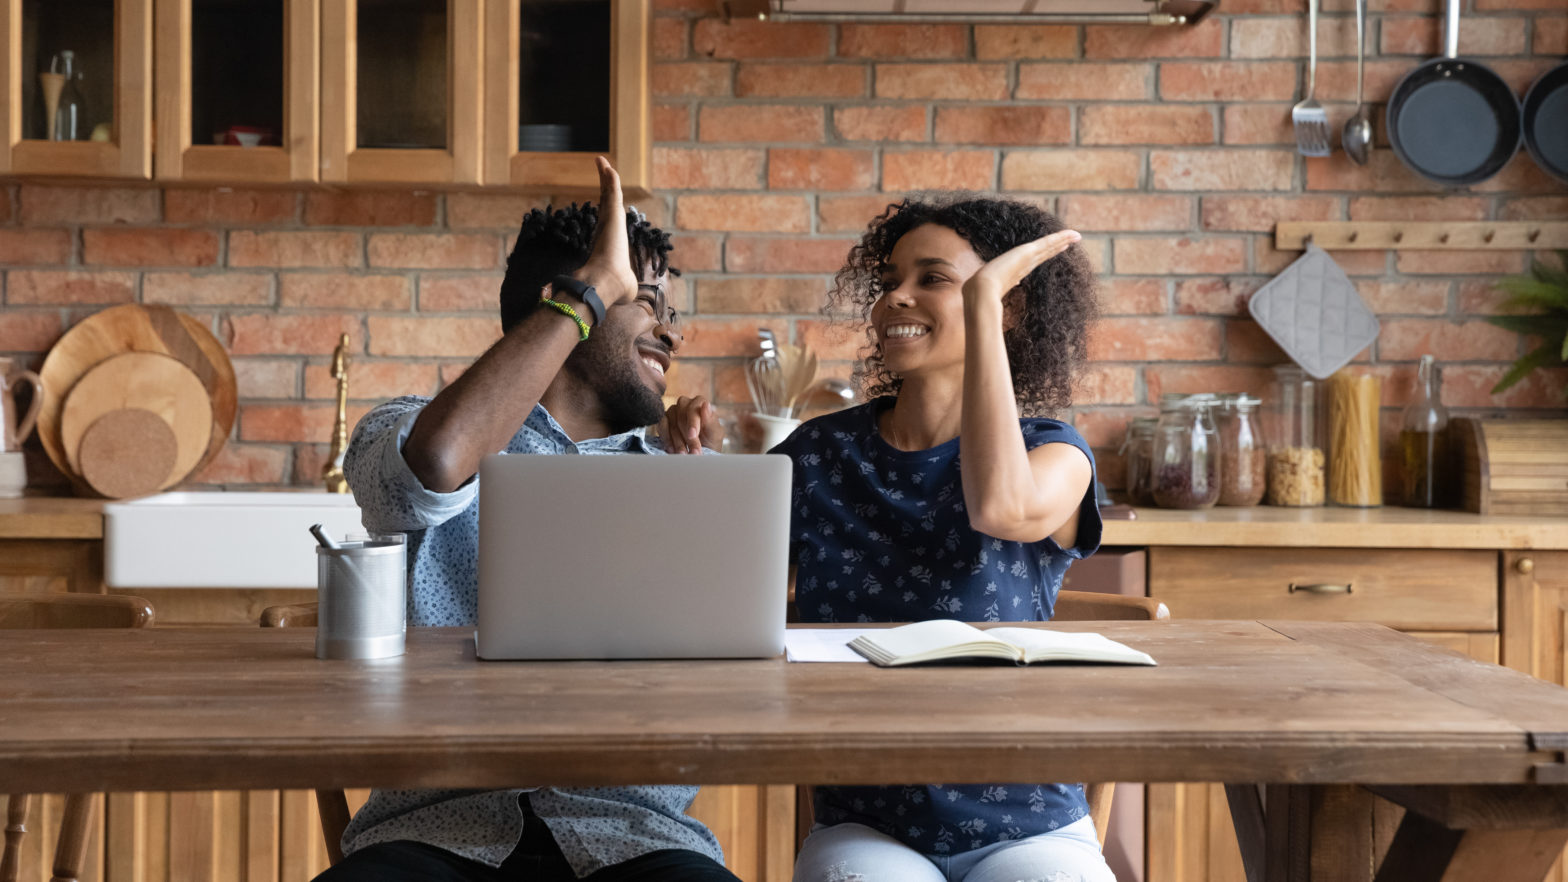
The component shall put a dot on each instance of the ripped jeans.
(856, 853)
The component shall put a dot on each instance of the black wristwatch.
(584, 292)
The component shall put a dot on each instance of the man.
(588, 336)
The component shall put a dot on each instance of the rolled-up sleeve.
(390, 496)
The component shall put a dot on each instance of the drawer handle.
(1321, 588)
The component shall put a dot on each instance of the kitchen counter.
(51, 517)
(1331, 527)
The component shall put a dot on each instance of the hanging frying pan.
(1546, 122)
(1453, 120)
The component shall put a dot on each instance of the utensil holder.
(362, 589)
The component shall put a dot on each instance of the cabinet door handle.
(1321, 588)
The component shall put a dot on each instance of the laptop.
(609, 557)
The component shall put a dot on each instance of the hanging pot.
(1546, 122)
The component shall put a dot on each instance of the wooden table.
(1303, 708)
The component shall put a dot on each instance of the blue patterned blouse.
(881, 535)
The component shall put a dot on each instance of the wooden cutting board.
(136, 327)
(145, 381)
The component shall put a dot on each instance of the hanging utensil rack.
(1423, 236)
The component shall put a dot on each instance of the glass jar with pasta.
(1295, 433)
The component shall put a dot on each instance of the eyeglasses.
(661, 306)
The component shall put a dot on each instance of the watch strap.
(582, 291)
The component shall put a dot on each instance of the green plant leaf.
(1526, 291)
(1541, 356)
(1551, 327)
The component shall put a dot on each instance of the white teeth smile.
(653, 363)
(906, 331)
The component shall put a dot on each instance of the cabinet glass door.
(239, 101)
(78, 93)
(567, 80)
(401, 91)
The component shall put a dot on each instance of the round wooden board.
(135, 327)
(128, 452)
(148, 381)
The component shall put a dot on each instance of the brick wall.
(1170, 149)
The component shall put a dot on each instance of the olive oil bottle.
(1423, 443)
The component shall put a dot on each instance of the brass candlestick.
(332, 472)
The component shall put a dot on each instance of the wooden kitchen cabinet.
(1535, 624)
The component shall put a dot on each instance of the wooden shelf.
(1422, 236)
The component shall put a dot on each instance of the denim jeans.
(856, 853)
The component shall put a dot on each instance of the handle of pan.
(1451, 30)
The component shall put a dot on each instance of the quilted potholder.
(1312, 310)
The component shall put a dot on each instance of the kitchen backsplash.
(1170, 148)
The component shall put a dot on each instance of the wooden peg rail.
(1429, 236)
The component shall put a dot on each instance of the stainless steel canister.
(362, 593)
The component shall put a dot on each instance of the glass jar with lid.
(1295, 435)
(1242, 452)
(1138, 451)
(1186, 465)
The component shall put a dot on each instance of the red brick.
(490, 211)
(1534, 208)
(1143, 255)
(34, 247)
(1228, 81)
(1479, 35)
(229, 207)
(460, 293)
(1521, 175)
(1085, 81)
(890, 123)
(266, 377)
(1025, 41)
(748, 38)
(1551, 34)
(834, 340)
(272, 334)
(1409, 339)
(373, 380)
(938, 170)
(671, 122)
(964, 82)
(1128, 296)
(355, 208)
(1052, 170)
(432, 337)
(435, 251)
(5, 204)
(149, 247)
(1483, 297)
(902, 41)
(1459, 263)
(1247, 343)
(1203, 40)
(1259, 214)
(689, 79)
(1419, 208)
(69, 286)
(1227, 296)
(344, 291)
(850, 214)
(831, 169)
(208, 289)
(292, 422)
(697, 254)
(1154, 339)
(1008, 125)
(689, 378)
(675, 7)
(28, 331)
(1106, 384)
(1116, 213)
(708, 337)
(87, 205)
(801, 81)
(755, 254)
(1218, 379)
(1471, 386)
(1239, 170)
(244, 464)
(1383, 173)
(1146, 124)
(759, 214)
(1104, 428)
(313, 249)
(669, 38)
(1258, 124)
(1405, 298)
(1337, 82)
(759, 122)
(765, 295)
(706, 168)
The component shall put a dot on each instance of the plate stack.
(544, 138)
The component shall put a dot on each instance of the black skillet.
(1453, 120)
(1546, 122)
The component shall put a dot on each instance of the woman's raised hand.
(1005, 271)
(609, 266)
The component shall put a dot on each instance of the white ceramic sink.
(220, 540)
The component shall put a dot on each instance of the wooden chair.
(331, 804)
(1071, 606)
(26, 611)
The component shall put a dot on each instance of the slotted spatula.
(1309, 117)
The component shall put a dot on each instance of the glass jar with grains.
(1186, 453)
(1295, 433)
(1242, 452)
(1138, 451)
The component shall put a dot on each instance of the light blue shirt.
(595, 827)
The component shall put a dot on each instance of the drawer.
(1431, 590)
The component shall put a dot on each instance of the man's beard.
(624, 397)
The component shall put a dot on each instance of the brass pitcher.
(12, 428)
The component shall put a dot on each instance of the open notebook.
(945, 639)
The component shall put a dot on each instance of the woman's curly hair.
(556, 241)
(1046, 346)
